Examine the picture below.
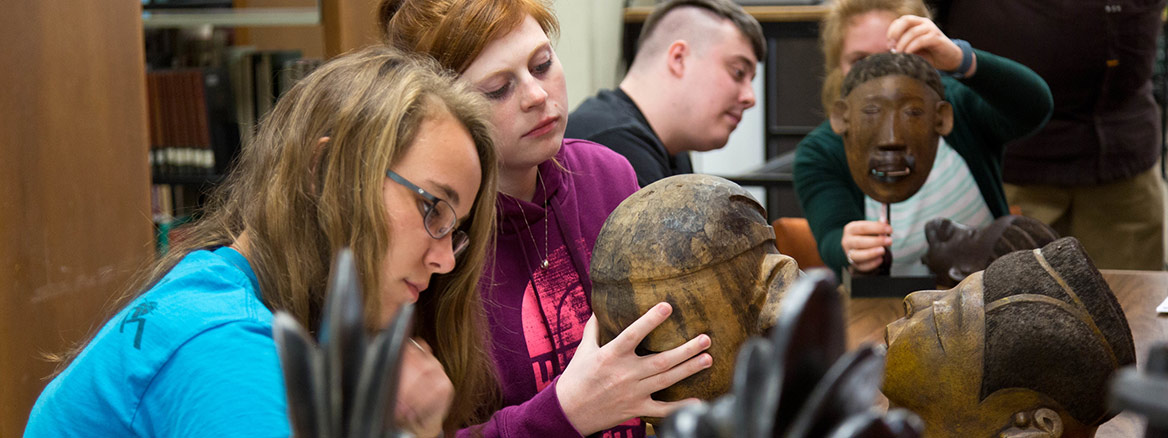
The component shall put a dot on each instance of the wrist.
(965, 69)
(567, 405)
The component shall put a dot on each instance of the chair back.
(793, 237)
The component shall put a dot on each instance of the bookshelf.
(244, 56)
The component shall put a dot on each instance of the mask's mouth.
(890, 168)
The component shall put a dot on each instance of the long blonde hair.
(455, 32)
(301, 201)
(834, 27)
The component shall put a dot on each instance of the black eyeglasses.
(437, 215)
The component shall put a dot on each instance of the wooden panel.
(309, 40)
(74, 182)
(345, 25)
(349, 24)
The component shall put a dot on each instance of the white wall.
(589, 45)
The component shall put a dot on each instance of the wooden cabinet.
(75, 220)
(74, 181)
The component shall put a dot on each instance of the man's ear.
(676, 57)
(839, 117)
(944, 118)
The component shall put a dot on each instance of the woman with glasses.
(374, 151)
(554, 380)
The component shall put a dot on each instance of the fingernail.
(707, 360)
(663, 308)
(705, 340)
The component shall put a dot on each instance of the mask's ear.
(839, 117)
(955, 274)
(944, 118)
(778, 272)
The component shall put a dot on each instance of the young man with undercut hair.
(685, 91)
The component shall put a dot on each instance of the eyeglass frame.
(458, 238)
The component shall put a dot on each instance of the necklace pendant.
(543, 265)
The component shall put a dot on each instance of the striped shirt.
(950, 192)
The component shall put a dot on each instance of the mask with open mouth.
(890, 169)
(891, 122)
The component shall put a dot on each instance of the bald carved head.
(702, 244)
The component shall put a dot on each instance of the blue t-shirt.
(193, 356)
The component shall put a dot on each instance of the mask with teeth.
(891, 120)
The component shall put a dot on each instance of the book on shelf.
(200, 117)
(172, 207)
(271, 72)
(180, 131)
(239, 65)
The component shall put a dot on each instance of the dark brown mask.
(891, 123)
(955, 250)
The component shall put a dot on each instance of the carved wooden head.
(702, 244)
(1023, 348)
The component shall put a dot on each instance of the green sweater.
(1003, 101)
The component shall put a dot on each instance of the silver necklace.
(534, 243)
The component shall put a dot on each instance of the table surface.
(1138, 292)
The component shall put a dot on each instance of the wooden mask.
(955, 250)
(891, 116)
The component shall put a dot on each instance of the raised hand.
(920, 36)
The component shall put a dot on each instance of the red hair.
(455, 32)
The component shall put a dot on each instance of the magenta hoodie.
(537, 315)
